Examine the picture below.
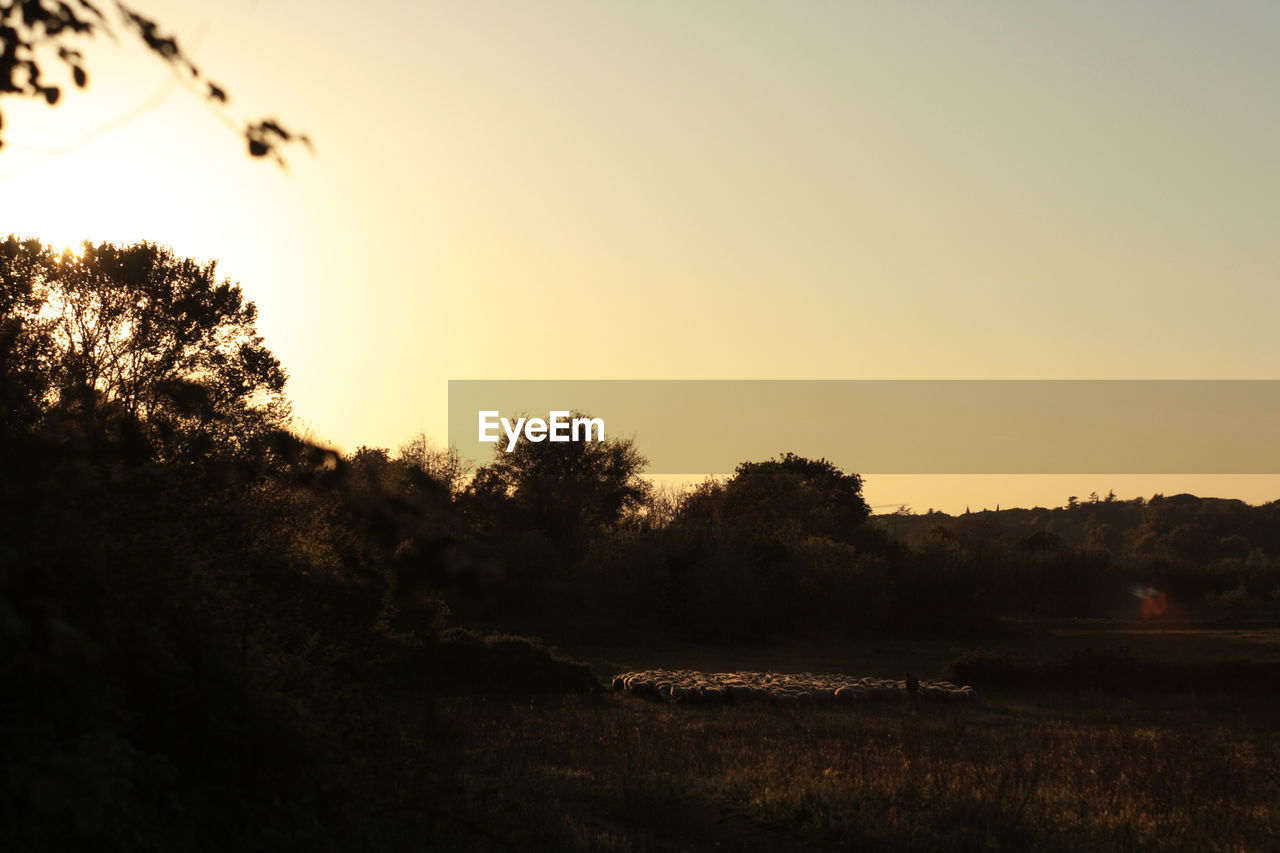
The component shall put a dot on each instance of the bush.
(462, 660)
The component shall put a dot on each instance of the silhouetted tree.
(26, 348)
(564, 490)
(444, 465)
(792, 495)
(134, 347)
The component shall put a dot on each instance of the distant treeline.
(1214, 558)
(787, 547)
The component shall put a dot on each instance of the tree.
(134, 347)
(444, 465)
(564, 490)
(33, 31)
(793, 495)
(26, 347)
(1105, 537)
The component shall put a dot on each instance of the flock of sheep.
(780, 689)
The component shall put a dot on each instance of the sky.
(667, 190)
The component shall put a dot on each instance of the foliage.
(135, 348)
(195, 604)
(533, 512)
(445, 465)
(779, 549)
(795, 496)
(464, 660)
(567, 489)
(33, 31)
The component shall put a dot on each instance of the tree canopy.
(792, 495)
(133, 347)
(566, 490)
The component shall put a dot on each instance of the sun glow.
(69, 251)
(587, 178)
(123, 204)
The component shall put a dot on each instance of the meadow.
(1019, 770)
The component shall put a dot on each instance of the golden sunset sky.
(712, 190)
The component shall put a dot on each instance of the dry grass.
(623, 774)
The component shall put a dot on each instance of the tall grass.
(602, 774)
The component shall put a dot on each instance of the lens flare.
(1153, 600)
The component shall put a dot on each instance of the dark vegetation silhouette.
(37, 33)
(218, 635)
(198, 610)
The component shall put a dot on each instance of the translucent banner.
(890, 426)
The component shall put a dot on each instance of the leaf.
(77, 74)
(32, 14)
(51, 94)
(271, 127)
(92, 8)
(258, 148)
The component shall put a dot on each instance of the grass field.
(1078, 770)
